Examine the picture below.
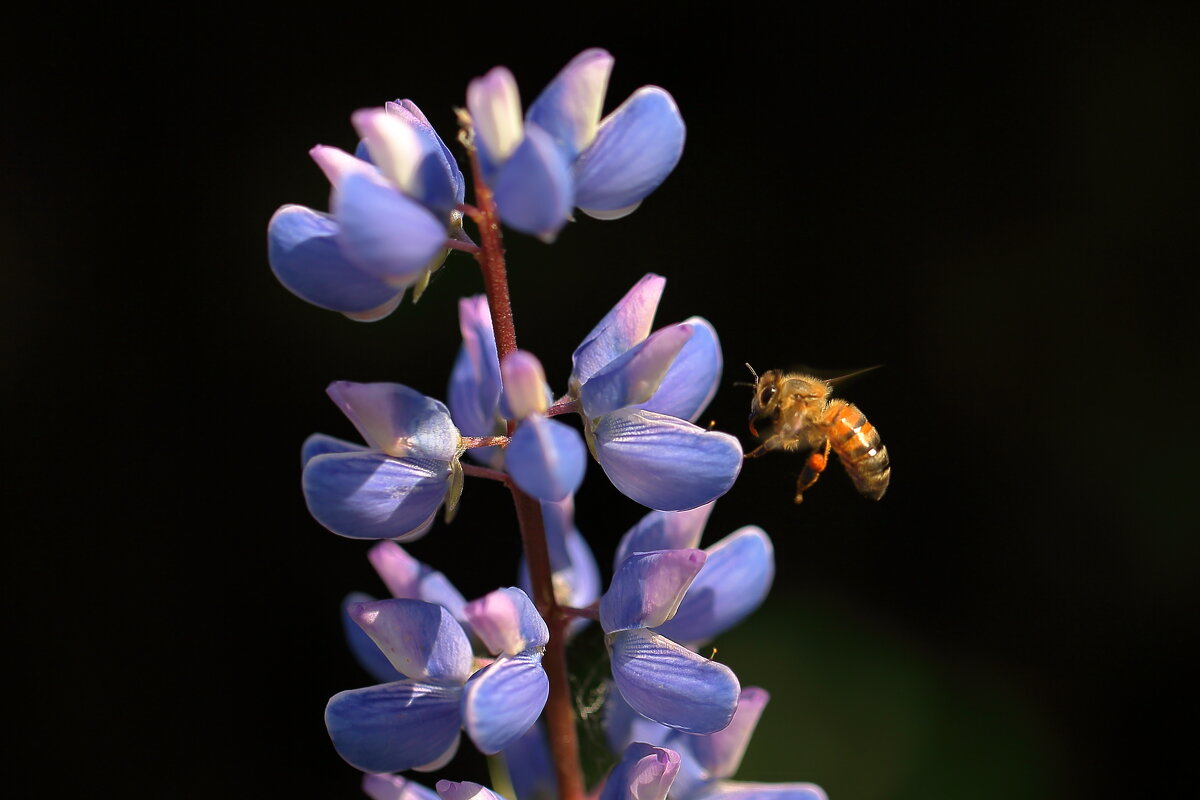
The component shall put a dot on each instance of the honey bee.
(803, 417)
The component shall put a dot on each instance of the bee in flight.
(803, 417)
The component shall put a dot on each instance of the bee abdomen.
(860, 449)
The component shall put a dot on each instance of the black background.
(998, 206)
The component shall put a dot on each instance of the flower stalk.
(559, 714)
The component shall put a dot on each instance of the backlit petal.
(304, 253)
(504, 699)
(407, 577)
(524, 384)
(647, 588)
(570, 105)
(362, 647)
(372, 496)
(465, 790)
(394, 726)
(672, 685)
(395, 146)
(664, 530)
(422, 640)
(663, 462)
(395, 787)
(635, 149)
(691, 382)
(644, 772)
(635, 375)
(507, 622)
(626, 324)
(495, 107)
(734, 581)
(398, 420)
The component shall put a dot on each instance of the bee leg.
(814, 465)
(769, 444)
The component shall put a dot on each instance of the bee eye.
(765, 397)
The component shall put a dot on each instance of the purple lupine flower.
(466, 790)
(638, 394)
(392, 488)
(562, 155)
(404, 577)
(545, 458)
(393, 211)
(474, 391)
(414, 722)
(645, 772)
(707, 762)
(660, 679)
(394, 787)
(734, 580)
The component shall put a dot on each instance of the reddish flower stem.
(559, 714)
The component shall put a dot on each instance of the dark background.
(998, 206)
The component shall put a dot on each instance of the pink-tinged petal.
(533, 188)
(507, 622)
(670, 684)
(635, 375)
(739, 790)
(644, 772)
(664, 530)
(647, 588)
(398, 420)
(691, 382)
(407, 577)
(362, 647)
(546, 458)
(395, 146)
(735, 580)
(408, 111)
(524, 384)
(465, 790)
(423, 641)
(305, 254)
(394, 726)
(635, 149)
(720, 754)
(495, 107)
(337, 164)
(628, 323)
(370, 495)
(395, 787)
(663, 462)
(504, 699)
(386, 233)
(569, 107)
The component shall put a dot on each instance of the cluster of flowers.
(680, 721)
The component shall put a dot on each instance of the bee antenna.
(854, 374)
(743, 383)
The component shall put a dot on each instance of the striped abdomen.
(857, 444)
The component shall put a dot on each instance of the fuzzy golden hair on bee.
(796, 413)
